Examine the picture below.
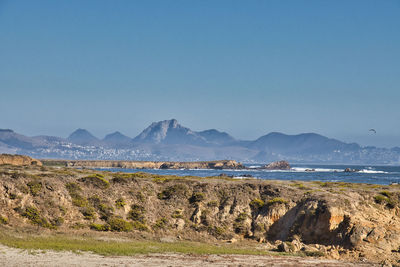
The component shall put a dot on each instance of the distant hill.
(307, 143)
(169, 141)
(215, 137)
(82, 137)
(117, 139)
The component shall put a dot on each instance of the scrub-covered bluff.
(336, 220)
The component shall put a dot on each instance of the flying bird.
(372, 130)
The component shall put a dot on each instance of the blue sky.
(245, 67)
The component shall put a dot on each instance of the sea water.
(384, 175)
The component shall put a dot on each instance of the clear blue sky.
(245, 67)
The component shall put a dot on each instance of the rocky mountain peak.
(169, 132)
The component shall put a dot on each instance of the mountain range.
(168, 140)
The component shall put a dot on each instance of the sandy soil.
(18, 257)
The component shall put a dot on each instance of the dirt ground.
(18, 257)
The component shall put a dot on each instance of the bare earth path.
(18, 257)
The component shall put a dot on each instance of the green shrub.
(277, 200)
(314, 253)
(35, 187)
(120, 203)
(74, 191)
(137, 213)
(242, 217)
(32, 214)
(104, 210)
(178, 190)
(238, 225)
(381, 199)
(77, 226)
(3, 220)
(385, 193)
(196, 197)
(139, 226)
(96, 180)
(126, 177)
(95, 201)
(99, 227)
(79, 201)
(140, 197)
(384, 199)
(63, 210)
(12, 196)
(177, 214)
(119, 225)
(57, 221)
(161, 223)
(257, 204)
(88, 213)
(73, 188)
(216, 230)
(300, 186)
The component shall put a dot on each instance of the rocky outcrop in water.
(18, 160)
(278, 165)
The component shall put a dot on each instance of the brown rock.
(278, 165)
(18, 160)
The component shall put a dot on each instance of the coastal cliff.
(335, 220)
(220, 164)
(18, 160)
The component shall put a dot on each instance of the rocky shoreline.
(216, 165)
(357, 222)
(220, 164)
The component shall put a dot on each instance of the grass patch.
(115, 248)
(277, 200)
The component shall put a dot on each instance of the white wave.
(371, 171)
(298, 169)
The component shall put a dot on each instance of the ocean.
(383, 175)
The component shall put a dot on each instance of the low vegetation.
(257, 204)
(96, 180)
(3, 220)
(126, 248)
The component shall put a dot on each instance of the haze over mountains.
(168, 140)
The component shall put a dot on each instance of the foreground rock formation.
(218, 164)
(18, 160)
(335, 220)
